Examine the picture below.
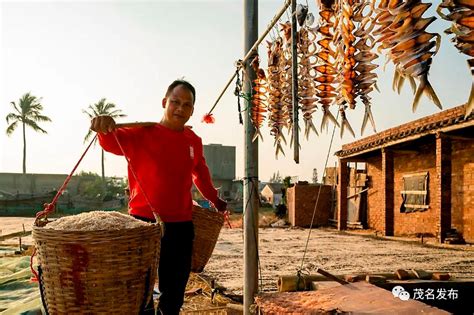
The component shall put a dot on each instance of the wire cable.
(317, 198)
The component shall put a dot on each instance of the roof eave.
(466, 124)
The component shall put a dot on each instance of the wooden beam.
(405, 151)
(453, 137)
(358, 193)
(16, 234)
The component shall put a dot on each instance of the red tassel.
(208, 119)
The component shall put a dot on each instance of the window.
(415, 192)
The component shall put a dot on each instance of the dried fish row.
(345, 61)
(366, 79)
(461, 14)
(259, 98)
(277, 118)
(325, 72)
(306, 84)
(286, 75)
(403, 33)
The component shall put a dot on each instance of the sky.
(73, 53)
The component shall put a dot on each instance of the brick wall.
(375, 213)
(462, 198)
(404, 223)
(420, 221)
(301, 200)
(462, 187)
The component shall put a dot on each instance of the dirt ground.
(281, 251)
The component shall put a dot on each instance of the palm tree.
(28, 113)
(98, 109)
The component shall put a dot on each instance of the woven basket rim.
(44, 229)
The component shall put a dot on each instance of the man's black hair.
(184, 83)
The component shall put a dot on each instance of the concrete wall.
(14, 183)
(220, 160)
(301, 200)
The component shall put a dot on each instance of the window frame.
(407, 207)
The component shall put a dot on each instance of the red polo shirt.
(166, 163)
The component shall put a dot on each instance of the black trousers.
(175, 265)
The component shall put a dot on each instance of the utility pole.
(294, 85)
(251, 165)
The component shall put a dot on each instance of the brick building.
(420, 177)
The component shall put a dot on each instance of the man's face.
(179, 106)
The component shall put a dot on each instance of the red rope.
(226, 218)
(50, 207)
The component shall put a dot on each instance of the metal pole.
(251, 164)
(254, 47)
(294, 72)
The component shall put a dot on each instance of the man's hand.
(220, 205)
(103, 124)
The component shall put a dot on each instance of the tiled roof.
(275, 187)
(419, 127)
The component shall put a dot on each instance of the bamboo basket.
(207, 226)
(97, 272)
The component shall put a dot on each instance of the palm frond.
(16, 107)
(12, 117)
(33, 125)
(12, 127)
(40, 118)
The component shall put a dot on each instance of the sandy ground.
(10, 225)
(281, 251)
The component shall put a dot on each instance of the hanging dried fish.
(286, 75)
(461, 14)
(365, 81)
(410, 47)
(277, 118)
(259, 98)
(306, 84)
(345, 61)
(301, 13)
(324, 70)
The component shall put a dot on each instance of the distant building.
(272, 193)
(221, 162)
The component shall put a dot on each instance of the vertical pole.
(343, 182)
(443, 184)
(388, 187)
(294, 72)
(251, 166)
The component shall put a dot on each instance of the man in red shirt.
(165, 158)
